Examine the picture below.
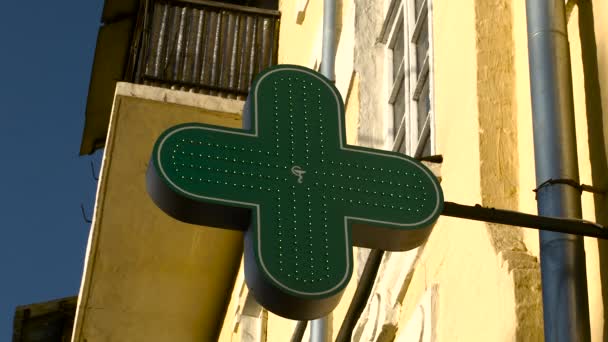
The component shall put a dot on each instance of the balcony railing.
(206, 47)
(200, 46)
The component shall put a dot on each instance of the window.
(407, 38)
(250, 320)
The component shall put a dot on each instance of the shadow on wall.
(266, 4)
(339, 6)
(597, 141)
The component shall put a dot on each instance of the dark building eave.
(118, 9)
(47, 321)
(109, 65)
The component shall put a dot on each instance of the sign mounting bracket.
(514, 218)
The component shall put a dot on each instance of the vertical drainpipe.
(318, 327)
(562, 256)
(328, 58)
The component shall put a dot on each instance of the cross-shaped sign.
(303, 196)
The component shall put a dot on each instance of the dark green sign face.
(303, 196)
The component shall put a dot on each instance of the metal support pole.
(318, 330)
(562, 256)
(298, 332)
(318, 327)
(361, 296)
(328, 58)
(514, 218)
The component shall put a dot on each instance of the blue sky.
(46, 55)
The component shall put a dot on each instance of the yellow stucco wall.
(487, 276)
(588, 35)
(299, 39)
(583, 150)
(147, 276)
(150, 278)
(476, 299)
(599, 158)
(455, 242)
(485, 282)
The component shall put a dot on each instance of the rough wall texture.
(368, 59)
(465, 92)
(498, 150)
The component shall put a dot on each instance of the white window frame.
(407, 131)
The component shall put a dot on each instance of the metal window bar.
(206, 47)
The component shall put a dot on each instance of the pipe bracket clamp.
(572, 183)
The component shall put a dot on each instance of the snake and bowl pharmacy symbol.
(301, 194)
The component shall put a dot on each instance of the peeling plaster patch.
(499, 163)
(368, 59)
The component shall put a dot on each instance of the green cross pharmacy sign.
(301, 194)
